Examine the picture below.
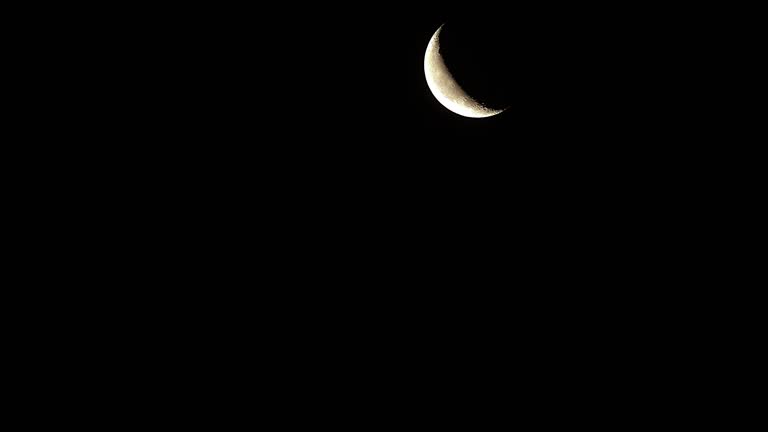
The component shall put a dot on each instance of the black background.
(311, 127)
(603, 101)
(285, 201)
(283, 179)
(589, 87)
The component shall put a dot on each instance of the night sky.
(347, 84)
(273, 195)
(345, 91)
(332, 103)
(320, 119)
(292, 163)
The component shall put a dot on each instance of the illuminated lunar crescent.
(445, 88)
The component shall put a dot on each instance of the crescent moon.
(445, 88)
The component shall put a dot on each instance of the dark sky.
(379, 62)
(298, 149)
(325, 109)
(346, 76)
(335, 92)
(353, 76)
(347, 84)
(304, 145)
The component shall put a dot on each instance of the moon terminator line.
(445, 88)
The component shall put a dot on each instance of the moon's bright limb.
(446, 89)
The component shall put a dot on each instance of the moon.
(445, 88)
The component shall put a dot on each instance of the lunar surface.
(445, 88)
